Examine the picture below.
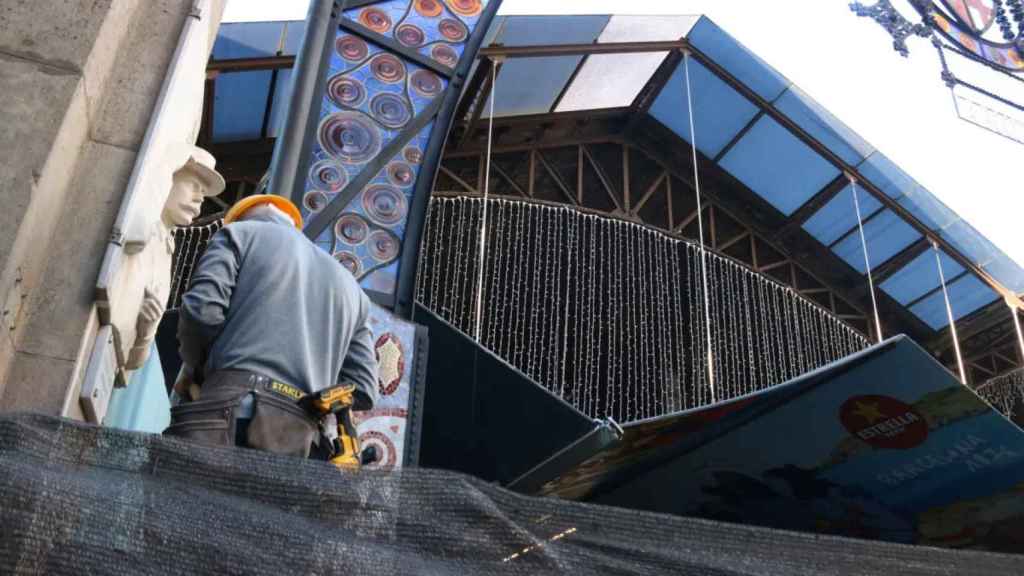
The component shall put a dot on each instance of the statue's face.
(185, 200)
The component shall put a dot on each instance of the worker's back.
(291, 314)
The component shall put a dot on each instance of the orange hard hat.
(279, 202)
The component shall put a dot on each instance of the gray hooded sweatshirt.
(265, 299)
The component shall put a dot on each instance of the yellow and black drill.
(334, 407)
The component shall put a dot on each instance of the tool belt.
(279, 424)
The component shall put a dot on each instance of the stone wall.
(80, 79)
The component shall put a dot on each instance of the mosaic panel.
(385, 426)
(435, 28)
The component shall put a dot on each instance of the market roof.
(749, 121)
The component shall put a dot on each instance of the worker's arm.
(205, 306)
(360, 365)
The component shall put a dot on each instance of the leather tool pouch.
(208, 421)
(280, 426)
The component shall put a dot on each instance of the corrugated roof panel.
(919, 276)
(823, 126)
(776, 165)
(719, 112)
(746, 66)
(240, 101)
(885, 235)
(965, 296)
(838, 216)
(247, 40)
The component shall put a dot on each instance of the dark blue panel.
(887, 176)
(247, 40)
(965, 296)
(294, 33)
(531, 85)
(240, 100)
(772, 162)
(838, 216)
(707, 37)
(919, 277)
(282, 97)
(823, 126)
(541, 30)
(719, 112)
(885, 234)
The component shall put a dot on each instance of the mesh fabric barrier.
(83, 500)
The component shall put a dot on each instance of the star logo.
(868, 411)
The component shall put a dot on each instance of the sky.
(846, 63)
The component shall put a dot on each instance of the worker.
(269, 323)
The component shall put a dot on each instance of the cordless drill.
(334, 406)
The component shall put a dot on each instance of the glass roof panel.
(239, 103)
(719, 112)
(887, 176)
(282, 96)
(646, 28)
(247, 40)
(776, 165)
(746, 66)
(838, 216)
(542, 30)
(294, 33)
(969, 242)
(965, 296)
(592, 88)
(919, 276)
(927, 208)
(530, 85)
(823, 126)
(885, 234)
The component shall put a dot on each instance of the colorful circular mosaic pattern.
(426, 83)
(350, 136)
(413, 155)
(383, 245)
(387, 68)
(350, 261)
(351, 229)
(328, 175)
(465, 7)
(387, 454)
(384, 204)
(428, 8)
(410, 35)
(345, 91)
(351, 48)
(390, 110)
(375, 19)
(453, 30)
(401, 174)
(445, 55)
(314, 201)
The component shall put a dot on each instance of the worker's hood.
(267, 213)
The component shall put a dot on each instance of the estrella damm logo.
(883, 422)
(289, 391)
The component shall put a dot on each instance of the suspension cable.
(949, 315)
(482, 245)
(1016, 324)
(867, 262)
(700, 231)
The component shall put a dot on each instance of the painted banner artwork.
(379, 102)
(386, 426)
(886, 445)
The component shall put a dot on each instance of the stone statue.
(145, 278)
